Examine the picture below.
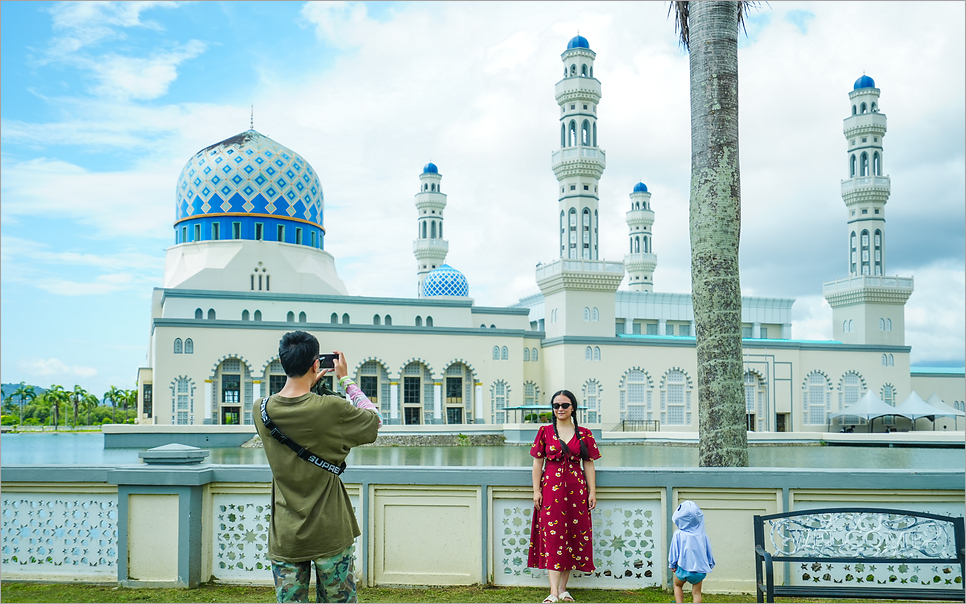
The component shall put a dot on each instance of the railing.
(576, 153)
(585, 266)
(434, 244)
(638, 425)
(879, 182)
(455, 525)
(868, 281)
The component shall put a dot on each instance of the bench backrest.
(870, 535)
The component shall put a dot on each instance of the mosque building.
(249, 264)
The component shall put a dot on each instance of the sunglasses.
(560, 405)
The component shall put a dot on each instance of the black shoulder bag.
(301, 451)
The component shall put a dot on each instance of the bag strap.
(301, 451)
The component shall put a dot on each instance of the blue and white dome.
(430, 168)
(578, 41)
(640, 188)
(445, 281)
(864, 82)
(250, 186)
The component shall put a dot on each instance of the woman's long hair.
(584, 454)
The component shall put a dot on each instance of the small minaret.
(641, 260)
(579, 163)
(429, 247)
(868, 307)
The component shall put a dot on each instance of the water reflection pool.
(88, 449)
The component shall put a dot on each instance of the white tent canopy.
(935, 401)
(869, 407)
(914, 408)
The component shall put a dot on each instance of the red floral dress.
(561, 536)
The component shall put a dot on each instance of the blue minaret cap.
(578, 41)
(640, 188)
(430, 168)
(864, 82)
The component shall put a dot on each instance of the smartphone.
(328, 360)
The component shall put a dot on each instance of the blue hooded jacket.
(690, 547)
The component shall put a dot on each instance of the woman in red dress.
(561, 538)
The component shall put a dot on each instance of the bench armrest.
(764, 557)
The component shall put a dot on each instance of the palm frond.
(680, 10)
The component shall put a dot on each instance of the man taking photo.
(312, 520)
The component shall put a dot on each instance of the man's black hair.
(297, 351)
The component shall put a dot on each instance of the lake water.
(88, 449)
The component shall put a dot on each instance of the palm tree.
(114, 395)
(56, 395)
(77, 395)
(90, 402)
(26, 394)
(709, 30)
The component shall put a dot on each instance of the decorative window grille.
(816, 393)
(635, 385)
(588, 354)
(592, 401)
(499, 393)
(529, 394)
(533, 354)
(178, 347)
(526, 354)
(652, 329)
(595, 315)
(496, 353)
(674, 386)
(504, 353)
(596, 353)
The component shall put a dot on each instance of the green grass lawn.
(73, 592)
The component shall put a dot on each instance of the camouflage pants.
(334, 581)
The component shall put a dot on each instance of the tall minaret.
(579, 163)
(641, 260)
(429, 247)
(868, 307)
(866, 191)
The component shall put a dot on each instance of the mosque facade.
(249, 264)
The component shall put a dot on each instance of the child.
(690, 553)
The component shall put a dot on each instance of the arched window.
(526, 354)
(635, 399)
(496, 353)
(874, 108)
(302, 317)
(592, 401)
(424, 229)
(595, 315)
(865, 252)
(504, 354)
(851, 390)
(637, 245)
(211, 314)
(199, 314)
(585, 133)
(889, 395)
(754, 401)
(851, 325)
(563, 135)
(345, 318)
(845, 326)
(440, 229)
(595, 134)
(432, 187)
(334, 318)
(189, 346)
(583, 70)
(864, 165)
(817, 398)
(888, 325)
(432, 229)
(573, 70)
(854, 110)
(852, 166)
(892, 361)
(573, 234)
(588, 354)
(647, 245)
(877, 249)
(388, 320)
(853, 253)
(258, 315)
(885, 360)
(533, 354)
(178, 346)
(290, 317)
(585, 253)
(596, 353)
(591, 71)
(881, 324)
(376, 320)
(419, 321)
(876, 168)
(572, 138)
(676, 399)
(586, 314)
(499, 394)
(863, 108)
(244, 315)
(429, 321)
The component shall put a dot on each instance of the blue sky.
(101, 104)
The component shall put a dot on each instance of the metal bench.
(860, 553)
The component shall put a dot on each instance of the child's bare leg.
(678, 590)
(696, 592)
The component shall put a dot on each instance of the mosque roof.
(578, 41)
(445, 281)
(249, 173)
(864, 82)
(430, 168)
(640, 188)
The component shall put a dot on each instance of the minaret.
(641, 260)
(429, 247)
(867, 307)
(579, 163)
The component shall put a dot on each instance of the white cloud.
(45, 368)
(140, 78)
(83, 24)
(338, 24)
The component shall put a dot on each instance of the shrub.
(8, 420)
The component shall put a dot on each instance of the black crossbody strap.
(301, 451)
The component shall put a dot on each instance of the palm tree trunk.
(715, 224)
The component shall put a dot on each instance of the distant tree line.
(59, 407)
